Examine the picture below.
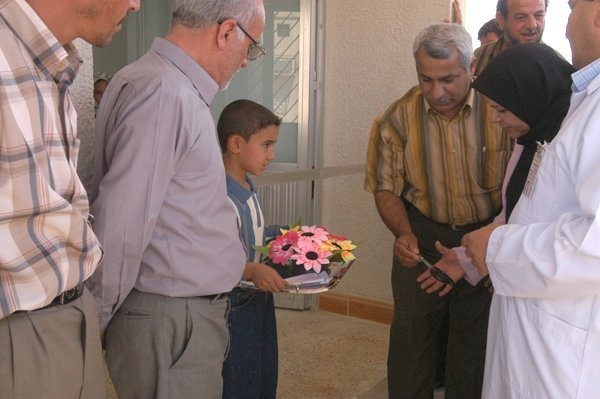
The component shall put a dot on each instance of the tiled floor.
(326, 355)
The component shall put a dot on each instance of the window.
(282, 80)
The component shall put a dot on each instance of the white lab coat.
(544, 330)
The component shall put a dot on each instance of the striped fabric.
(484, 54)
(583, 77)
(47, 245)
(249, 216)
(451, 170)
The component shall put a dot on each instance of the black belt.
(66, 297)
(451, 226)
(62, 299)
(467, 227)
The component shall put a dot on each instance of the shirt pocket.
(494, 168)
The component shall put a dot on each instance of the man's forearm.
(392, 212)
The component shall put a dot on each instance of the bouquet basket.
(309, 258)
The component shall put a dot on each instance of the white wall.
(369, 63)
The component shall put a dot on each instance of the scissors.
(437, 273)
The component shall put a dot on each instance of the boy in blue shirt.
(247, 135)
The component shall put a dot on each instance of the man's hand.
(488, 284)
(456, 13)
(449, 264)
(476, 243)
(406, 250)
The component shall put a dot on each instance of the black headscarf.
(534, 83)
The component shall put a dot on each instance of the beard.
(516, 40)
(225, 86)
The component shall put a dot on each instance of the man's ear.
(472, 66)
(500, 20)
(597, 15)
(226, 31)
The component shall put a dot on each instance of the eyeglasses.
(255, 51)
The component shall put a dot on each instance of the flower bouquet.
(309, 257)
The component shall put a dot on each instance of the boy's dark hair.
(489, 27)
(243, 117)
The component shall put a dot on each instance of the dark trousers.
(416, 334)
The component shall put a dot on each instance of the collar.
(239, 191)
(585, 76)
(497, 46)
(52, 59)
(202, 81)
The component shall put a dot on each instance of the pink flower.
(282, 247)
(314, 233)
(310, 254)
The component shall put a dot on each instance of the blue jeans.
(250, 370)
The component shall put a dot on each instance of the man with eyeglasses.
(172, 247)
(435, 165)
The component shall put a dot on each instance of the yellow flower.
(341, 249)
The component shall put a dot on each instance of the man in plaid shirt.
(49, 331)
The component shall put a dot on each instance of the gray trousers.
(52, 353)
(162, 347)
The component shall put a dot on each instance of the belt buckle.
(219, 296)
(67, 295)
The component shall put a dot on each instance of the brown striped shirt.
(46, 244)
(451, 170)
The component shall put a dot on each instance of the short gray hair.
(440, 41)
(204, 13)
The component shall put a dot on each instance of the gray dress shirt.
(159, 193)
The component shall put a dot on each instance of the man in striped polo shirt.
(435, 164)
